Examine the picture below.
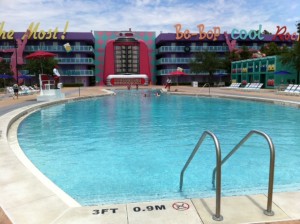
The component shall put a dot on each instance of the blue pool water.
(129, 148)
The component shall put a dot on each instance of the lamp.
(16, 49)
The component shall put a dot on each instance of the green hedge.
(73, 85)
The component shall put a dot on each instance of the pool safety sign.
(181, 206)
(175, 212)
(178, 206)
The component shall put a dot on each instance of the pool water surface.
(129, 148)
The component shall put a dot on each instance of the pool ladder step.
(216, 176)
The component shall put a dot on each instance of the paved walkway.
(26, 196)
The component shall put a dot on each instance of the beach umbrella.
(25, 77)
(40, 55)
(4, 76)
(281, 73)
(177, 73)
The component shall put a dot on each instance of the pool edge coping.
(13, 116)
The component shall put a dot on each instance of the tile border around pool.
(52, 208)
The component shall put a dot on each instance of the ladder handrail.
(208, 87)
(269, 211)
(217, 216)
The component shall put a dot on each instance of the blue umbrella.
(25, 77)
(281, 73)
(4, 76)
(221, 74)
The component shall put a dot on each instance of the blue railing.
(75, 60)
(192, 48)
(30, 48)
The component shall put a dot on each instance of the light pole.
(16, 49)
(298, 30)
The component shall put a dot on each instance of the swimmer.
(157, 94)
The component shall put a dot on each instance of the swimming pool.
(128, 147)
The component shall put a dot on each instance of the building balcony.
(87, 61)
(174, 61)
(78, 73)
(31, 48)
(171, 49)
(163, 72)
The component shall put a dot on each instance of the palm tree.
(206, 62)
(292, 58)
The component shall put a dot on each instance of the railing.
(217, 216)
(208, 87)
(174, 60)
(78, 72)
(52, 48)
(75, 60)
(193, 48)
(188, 71)
(269, 211)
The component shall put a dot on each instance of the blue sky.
(149, 15)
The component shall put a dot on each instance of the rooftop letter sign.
(283, 35)
(211, 34)
(35, 32)
(235, 34)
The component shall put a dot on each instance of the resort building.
(267, 70)
(142, 58)
(175, 50)
(74, 52)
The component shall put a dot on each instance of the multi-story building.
(75, 66)
(267, 70)
(178, 49)
(111, 57)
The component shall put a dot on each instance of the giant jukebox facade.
(125, 58)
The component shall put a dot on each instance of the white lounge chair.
(250, 86)
(258, 88)
(287, 89)
(10, 91)
(292, 90)
(297, 91)
(234, 86)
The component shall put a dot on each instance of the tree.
(5, 67)
(206, 62)
(245, 53)
(273, 49)
(230, 57)
(39, 66)
(292, 57)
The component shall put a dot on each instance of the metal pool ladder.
(217, 216)
(269, 211)
(219, 162)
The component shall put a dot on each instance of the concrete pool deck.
(26, 197)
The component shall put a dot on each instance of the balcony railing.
(78, 72)
(30, 48)
(58, 48)
(89, 61)
(188, 71)
(174, 60)
(165, 49)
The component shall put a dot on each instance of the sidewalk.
(26, 199)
